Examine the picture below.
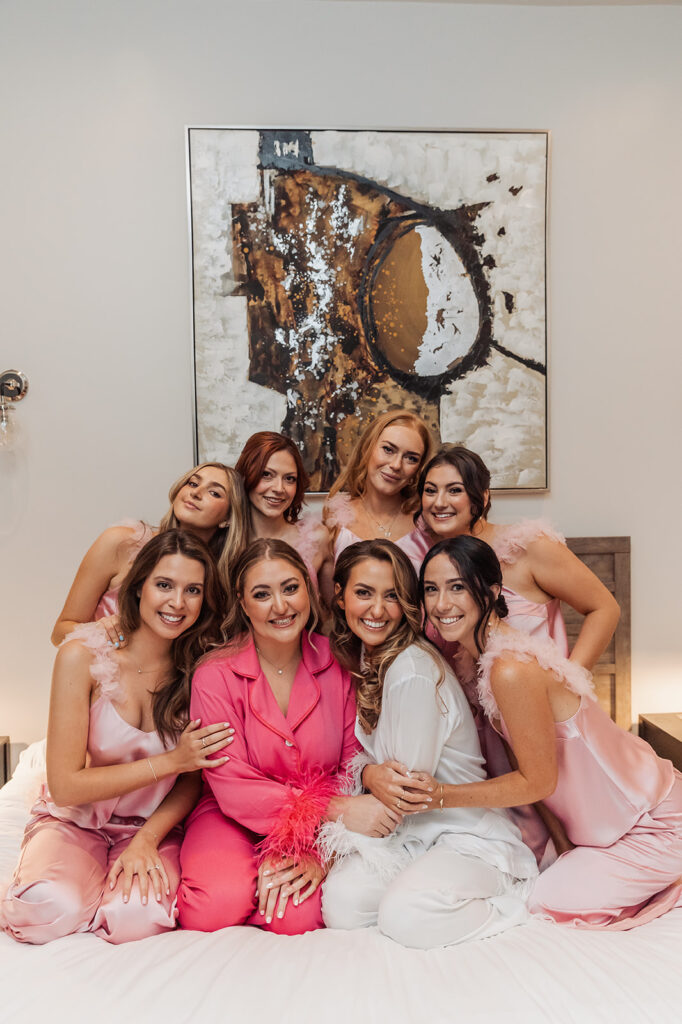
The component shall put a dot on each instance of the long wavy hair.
(170, 703)
(369, 668)
(227, 542)
(255, 456)
(354, 475)
(473, 471)
(479, 569)
(236, 627)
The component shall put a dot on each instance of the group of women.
(409, 769)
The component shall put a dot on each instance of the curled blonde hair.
(353, 476)
(346, 646)
(236, 626)
(227, 542)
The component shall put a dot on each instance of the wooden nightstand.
(4, 760)
(664, 733)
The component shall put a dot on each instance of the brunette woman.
(620, 804)
(208, 501)
(250, 854)
(276, 481)
(444, 876)
(118, 737)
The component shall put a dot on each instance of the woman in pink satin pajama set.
(116, 745)
(619, 804)
(293, 711)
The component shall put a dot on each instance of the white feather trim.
(384, 857)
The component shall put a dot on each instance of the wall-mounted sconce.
(13, 387)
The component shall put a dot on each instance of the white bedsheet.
(534, 973)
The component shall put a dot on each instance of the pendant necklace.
(386, 530)
(279, 671)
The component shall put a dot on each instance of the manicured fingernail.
(144, 901)
(268, 920)
(226, 725)
(428, 799)
(281, 914)
(110, 643)
(295, 901)
(117, 644)
(268, 872)
(269, 885)
(125, 899)
(158, 897)
(262, 913)
(121, 636)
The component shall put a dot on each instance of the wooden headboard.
(609, 559)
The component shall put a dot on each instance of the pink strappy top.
(306, 545)
(533, 617)
(111, 740)
(415, 544)
(108, 602)
(607, 778)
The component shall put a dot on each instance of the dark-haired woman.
(538, 569)
(118, 737)
(620, 804)
(276, 481)
(445, 876)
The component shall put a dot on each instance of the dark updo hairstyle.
(170, 703)
(473, 471)
(479, 569)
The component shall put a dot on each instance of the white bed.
(534, 973)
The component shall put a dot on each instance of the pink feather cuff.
(295, 832)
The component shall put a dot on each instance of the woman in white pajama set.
(444, 875)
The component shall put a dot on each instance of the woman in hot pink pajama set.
(293, 711)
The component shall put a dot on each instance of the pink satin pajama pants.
(637, 878)
(60, 885)
(219, 864)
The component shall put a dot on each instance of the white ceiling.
(537, 3)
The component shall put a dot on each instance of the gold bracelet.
(441, 796)
(156, 779)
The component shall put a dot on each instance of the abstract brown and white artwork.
(337, 274)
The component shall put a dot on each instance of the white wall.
(94, 278)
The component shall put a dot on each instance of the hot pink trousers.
(59, 886)
(219, 864)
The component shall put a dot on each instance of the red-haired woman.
(276, 481)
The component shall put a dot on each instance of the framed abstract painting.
(339, 273)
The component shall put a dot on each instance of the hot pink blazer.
(282, 769)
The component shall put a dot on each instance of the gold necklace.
(386, 530)
(279, 671)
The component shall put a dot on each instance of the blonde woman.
(208, 501)
(376, 494)
(444, 876)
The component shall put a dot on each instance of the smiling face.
(202, 503)
(276, 489)
(275, 600)
(449, 605)
(172, 595)
(446, 507)
(395, 459)
(370, 602)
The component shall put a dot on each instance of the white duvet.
(534, 973)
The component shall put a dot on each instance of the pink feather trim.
(295, 833)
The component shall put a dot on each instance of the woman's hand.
(278, 881)
(195, 745)
(112, 630)
(141, 857)
(398, 789)
(368, 816)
